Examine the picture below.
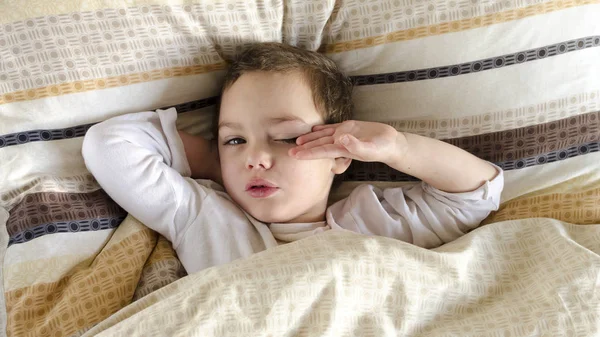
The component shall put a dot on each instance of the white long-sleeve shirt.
(139, 160)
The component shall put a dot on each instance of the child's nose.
(259, 158)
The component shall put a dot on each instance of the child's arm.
(203, 157)
(427, 214)
(139, 160)
(439, 164)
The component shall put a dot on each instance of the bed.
(516, 82)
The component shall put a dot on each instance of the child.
(283, 134)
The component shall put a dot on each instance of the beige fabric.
(68, 63)
(516, 278)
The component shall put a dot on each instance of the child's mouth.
(259, 188)
(261, 191)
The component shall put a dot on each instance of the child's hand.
(364, 141)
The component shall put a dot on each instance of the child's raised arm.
(139, 161)
(458, 191)
(443, 166)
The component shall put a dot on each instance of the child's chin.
(267, 216)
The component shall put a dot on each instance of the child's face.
(261, 115)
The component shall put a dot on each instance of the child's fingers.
(325, 126)
(314, 135)
(351, 143)
(322, 152)
(315, 143)
(306, 146)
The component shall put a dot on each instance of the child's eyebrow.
(283, 119)
(231, 125)
(290, 124)
(296, 126)
(293, 120)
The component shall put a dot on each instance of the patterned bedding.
(515, 82)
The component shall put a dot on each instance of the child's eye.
(289, 140)
(235, 141)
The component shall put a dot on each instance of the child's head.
(272, 94)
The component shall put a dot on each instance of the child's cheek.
(228, 169)
(302, 169)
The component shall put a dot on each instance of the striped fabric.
(515, 82)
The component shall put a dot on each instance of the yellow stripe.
(576, 208)
(162, 251)
(454, 26)
(109, 82)
(162, 268)
(52, 268)
(82, 299)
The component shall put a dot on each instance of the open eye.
(288, 141)
(235, 141)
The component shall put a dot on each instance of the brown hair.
(331, 89)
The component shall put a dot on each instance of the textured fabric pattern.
(512, 81)
(49, 208)
(87, 294)
(161, 268)
(518, 278)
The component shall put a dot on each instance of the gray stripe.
(479, 65)
(66, 227)
(80, 130)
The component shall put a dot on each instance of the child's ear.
(340, 165)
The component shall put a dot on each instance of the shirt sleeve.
(139, 160)
(419, 214)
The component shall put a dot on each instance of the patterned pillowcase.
(513, 83)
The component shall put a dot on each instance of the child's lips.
(260, 188)
(262, 191)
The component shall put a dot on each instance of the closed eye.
(288, 141)
(235, 141)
